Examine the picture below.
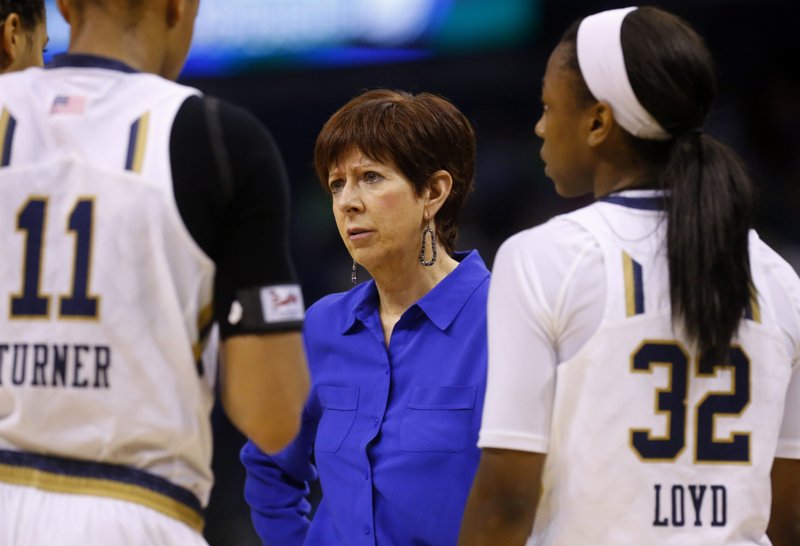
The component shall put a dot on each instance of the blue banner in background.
(239, 36)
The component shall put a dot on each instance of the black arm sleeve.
(238, 218)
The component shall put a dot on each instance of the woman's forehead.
(353, 157)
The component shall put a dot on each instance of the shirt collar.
(637, 199)
(83, 60)
(441, 305)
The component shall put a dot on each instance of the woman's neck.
(400, 289)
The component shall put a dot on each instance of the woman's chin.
(374, 262)
(363, 258)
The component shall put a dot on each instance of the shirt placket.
(377, 411)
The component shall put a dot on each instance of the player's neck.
(624, 171)
(136, 47)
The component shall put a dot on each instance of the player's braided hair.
(711, 203)
(31, 12)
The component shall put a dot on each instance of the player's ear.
(175, 12)
(10, 38)
(63, 7)
(601, 123)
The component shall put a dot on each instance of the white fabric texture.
(141, 402)
(561, 380)
(539, 314)
(81, 520)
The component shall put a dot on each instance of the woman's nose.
(350, 198)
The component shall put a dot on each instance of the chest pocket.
(338, 413)
(439, 419)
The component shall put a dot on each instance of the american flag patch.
(68, 104)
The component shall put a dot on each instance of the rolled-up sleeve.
(276, 488)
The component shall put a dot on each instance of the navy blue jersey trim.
(6, 139)
(634, 285)
(104, 471)
(132, 139)
(82, 60)
(638, 287)
(641, 203)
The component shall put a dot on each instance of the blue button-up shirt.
(393, 430)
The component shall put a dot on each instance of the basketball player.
(643, 351)
(135, 213)
(23, 34)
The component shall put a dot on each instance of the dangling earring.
(433, 246)
(354, 274)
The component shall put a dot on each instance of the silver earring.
(354, 274)
(434, 253)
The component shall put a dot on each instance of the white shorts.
(33, 517)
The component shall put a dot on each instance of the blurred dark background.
(495, 80)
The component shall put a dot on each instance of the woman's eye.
(336, 186)
(371, 176)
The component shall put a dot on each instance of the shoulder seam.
(562, 293)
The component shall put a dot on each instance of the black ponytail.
(710, 212)
(710, 204)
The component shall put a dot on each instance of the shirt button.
(366, 529)
(376, 421)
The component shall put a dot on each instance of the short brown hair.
(420, 134)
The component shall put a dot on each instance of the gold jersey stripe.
(6, 133)
(99, 487)
(634, 289)
(755, 310)
(204, 320)
(141, 141)
(205, 317)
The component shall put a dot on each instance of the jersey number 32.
(671, 402)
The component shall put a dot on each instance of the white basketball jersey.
(103, 292)
(645, 448)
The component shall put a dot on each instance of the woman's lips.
(356, 234)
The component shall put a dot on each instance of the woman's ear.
(438, 190)
(602, 123)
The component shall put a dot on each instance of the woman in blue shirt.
(398, 363)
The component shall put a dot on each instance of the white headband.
(603, 67)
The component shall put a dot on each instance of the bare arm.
(503, 499)
(784, 521)
(264, 384)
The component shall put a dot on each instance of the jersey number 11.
(30, 302)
